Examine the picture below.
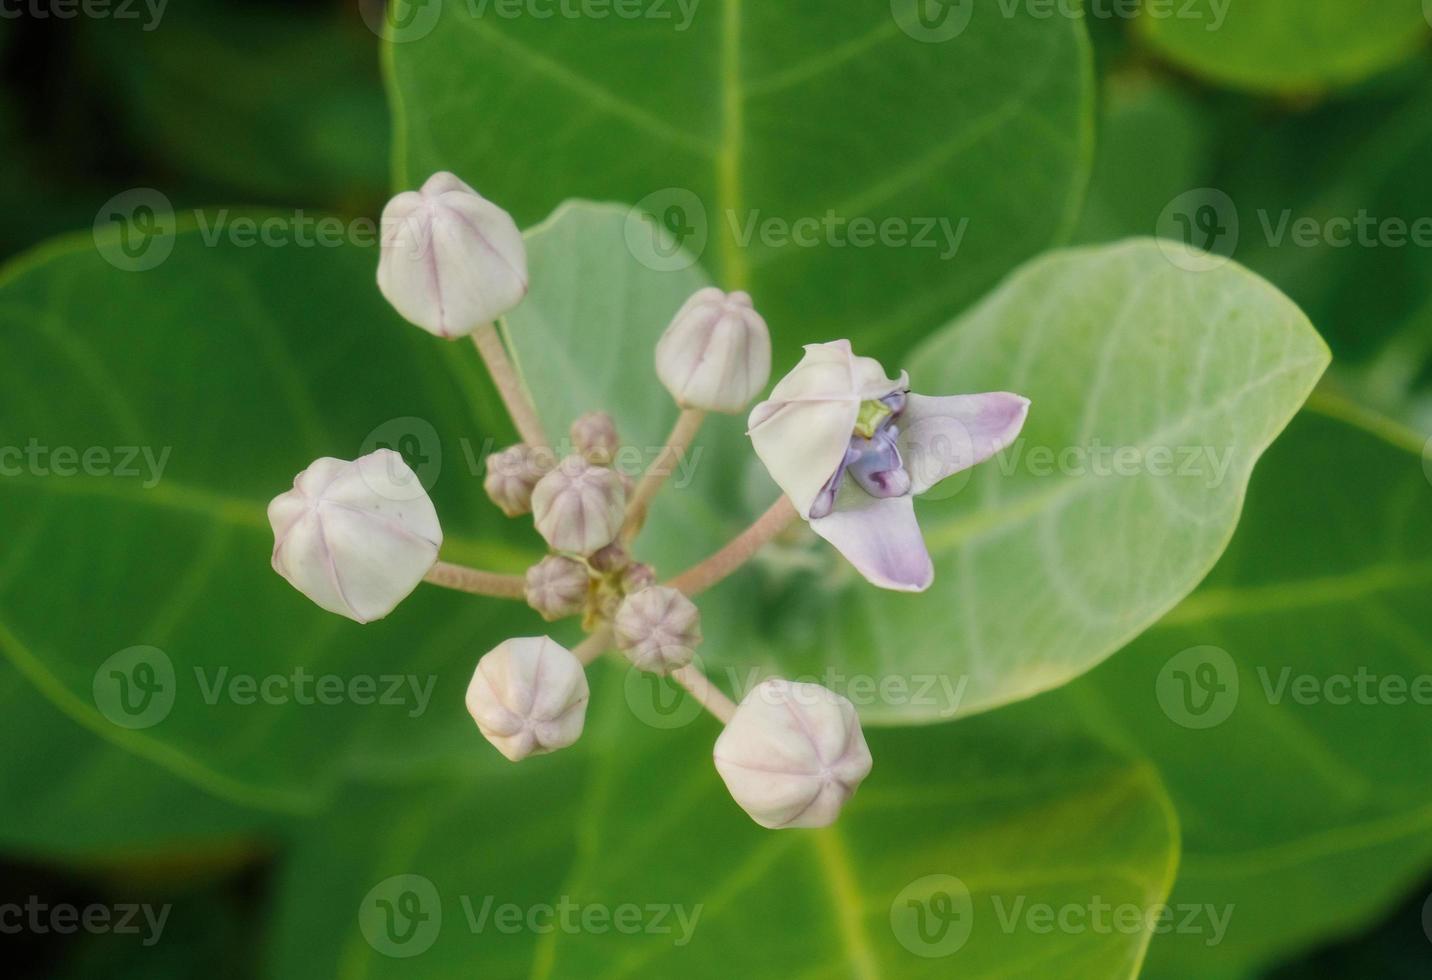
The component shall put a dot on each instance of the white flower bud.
(451, 259)
(579, 507)
(658, 629)
(594, 436)
(355, 537)
(511, 475)
(716, 354)
(557, 587)
(792, 754)
(529, 696)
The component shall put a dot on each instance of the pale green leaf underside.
(1310, 818)
(1287, 45)
(632, 815)
(763, 111)
(1045, 568)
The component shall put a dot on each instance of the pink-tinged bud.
(579, 507)
(451, 259)
(612, 558)
(529, 696)
(594, 436)
(557, 587)
(512, 474)
(637, 576)
(792, 754)
(716, 354)
(658, 629)
(355, 537)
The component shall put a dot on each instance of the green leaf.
(71, 796)
(233, 368)
(1286, 45)
(631, 816)
(749, 112)
(1154, 145)
(1155, 389)
(1310, 817)
(280, 104)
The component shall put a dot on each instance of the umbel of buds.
(511, 476)
(557, 587)
(594, 436)
(355, 537)
(716, 354)
(451, 260)
(792, 754)
(528, 696)
(579, 507)
(658, 629)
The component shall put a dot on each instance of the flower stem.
(712, 698)
(687, 425)
(478, 582)
(509, 385)
(594, 645)
(700, 577)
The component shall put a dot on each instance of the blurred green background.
(282, 106)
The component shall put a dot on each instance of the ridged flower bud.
(355, 537)
(792, 754)
(716, 354)
(557, 587)
(529, 696)
(579, 507)
(451, 260)
(594, 437)
(512, 474)
(658, 629)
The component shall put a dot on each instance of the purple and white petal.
(942, 436)
(881, 538)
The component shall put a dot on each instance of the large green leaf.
(70, 795)
(1155, 388)
(1286, 45)
(748, 112)
(631, 816)
(278, 103)
(242, 365)
(1308, 816)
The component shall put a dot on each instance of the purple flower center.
(874, 463)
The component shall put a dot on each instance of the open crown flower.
(852, 448)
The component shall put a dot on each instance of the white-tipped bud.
(594, 436)
(658, 629)
(557, 587)
(355, 537)
(792, 754)
(511, 475)
(716, 354)
(578, 507)
(529, 696)
(451, 259)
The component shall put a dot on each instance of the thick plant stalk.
(699, 686)
(594, 645)
(698, 578)
(687, 425)
(509, 385)
(475, 581)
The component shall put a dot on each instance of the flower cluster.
(848, 446)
